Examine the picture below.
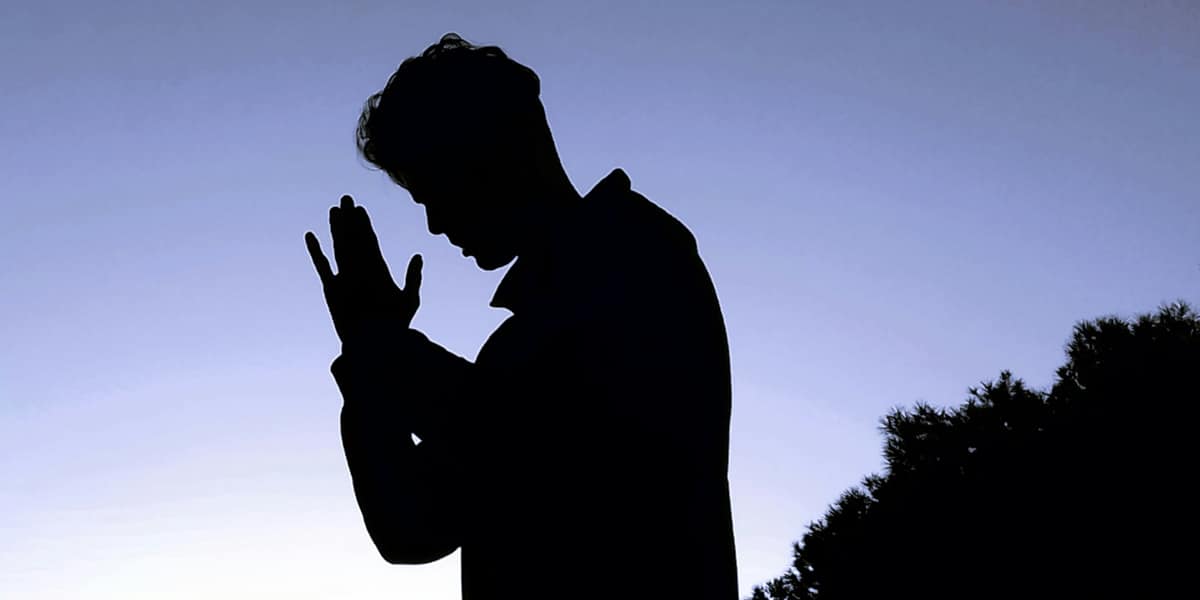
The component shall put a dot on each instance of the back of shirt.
(604, 429)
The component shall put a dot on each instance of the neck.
(549, 206)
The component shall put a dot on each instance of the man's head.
(462, 129)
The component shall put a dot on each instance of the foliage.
(1024, 493)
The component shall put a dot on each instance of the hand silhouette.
(364, 301)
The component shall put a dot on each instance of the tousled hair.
(454, 94)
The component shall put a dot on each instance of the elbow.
(411, 558)
(413, 554)
(411, 547)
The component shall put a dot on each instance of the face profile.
(472, 206)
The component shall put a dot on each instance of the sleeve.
(410, 494)
(412, 382)
(661, 352)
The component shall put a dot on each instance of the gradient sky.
(895, 204)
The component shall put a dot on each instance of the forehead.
(451, 169)
(450, 184)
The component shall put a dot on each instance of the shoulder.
(636, 255)
(630, 223)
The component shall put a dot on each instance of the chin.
(491, 262)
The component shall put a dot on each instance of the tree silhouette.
(1075, 492)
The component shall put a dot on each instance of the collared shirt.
(584, 453)
(523, 277)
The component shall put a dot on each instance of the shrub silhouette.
(1071, 493)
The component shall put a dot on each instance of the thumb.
(412, 277)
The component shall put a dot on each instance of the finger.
(324, 271)
(366, 242)
(342, 238)
(412, 277)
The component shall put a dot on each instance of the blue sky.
(895, 204)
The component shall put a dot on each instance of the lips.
(458, 243)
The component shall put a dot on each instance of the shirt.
(584, 454)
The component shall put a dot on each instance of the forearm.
(408, 493)
(380, 455)
(421, 385)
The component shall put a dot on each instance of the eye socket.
(417, 190)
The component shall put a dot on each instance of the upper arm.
(660, 357)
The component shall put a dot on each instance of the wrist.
(374, 333)
(381, 342)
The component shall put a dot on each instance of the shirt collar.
(533, 272)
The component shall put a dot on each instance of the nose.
(434, 222)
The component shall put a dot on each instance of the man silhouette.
(584, 454)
